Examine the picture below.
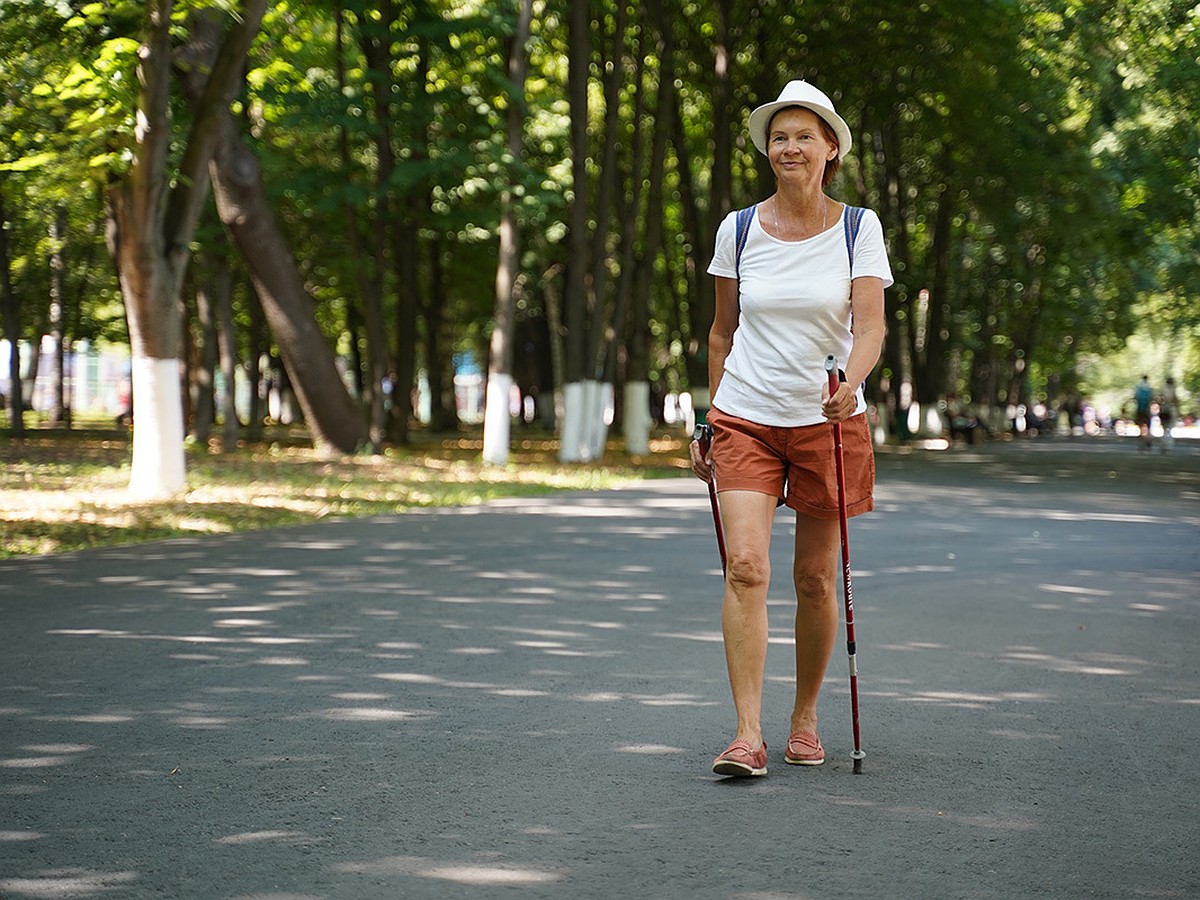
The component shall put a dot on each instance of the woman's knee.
(747, 571)
(813, 586)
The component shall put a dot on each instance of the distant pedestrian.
(1168, 409)
(786, 288)
(1143, 398)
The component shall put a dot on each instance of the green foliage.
(1060, 136)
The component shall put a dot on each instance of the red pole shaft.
(847, 587)
(704, 437)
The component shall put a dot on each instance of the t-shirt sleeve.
(724, 261)
(870, 252)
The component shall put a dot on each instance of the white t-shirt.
(795, 312)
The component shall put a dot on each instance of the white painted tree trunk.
(572, 448)
(598, 416)
(637, 418)
(158, 458)
(497, 421)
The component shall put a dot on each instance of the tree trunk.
(497, 421)
(439, 365)
(330, 413)
(619, 342)
(574, 447)
(638, 419)
(892, 211)
(10, 307)
(719, 204)
(59, 413)
(608, 180)
(151, 271)
(256, 350)
(204, 369)
(226, 346)
(370, 285)
(701, 299)
(154, 218)
(931, 380)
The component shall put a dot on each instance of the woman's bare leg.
(815, 575)
(747, 517)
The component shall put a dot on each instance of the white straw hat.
(799, 93)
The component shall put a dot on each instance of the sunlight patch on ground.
(241, 623)
(56, 883)
(1074, 589)
(248, 570)
(967, 700)
(1075, 516)
(366, 714)
(708, 637)
(254, 608)
(408, 677)
(205, 722)
(481, 874)
(90, 718)
(913, 645)
(496, 601)
(34, 762)
(673, 700)
(649, 749)
(1090, 664)
(362, 697)
(257, 837)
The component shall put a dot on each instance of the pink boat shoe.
(804, 749)
(739, 760)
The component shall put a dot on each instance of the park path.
(522, 698)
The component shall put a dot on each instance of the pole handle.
(836, 375)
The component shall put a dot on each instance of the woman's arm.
(720, 336)
(866, 307)
(720, 341)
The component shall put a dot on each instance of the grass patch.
(66, 490)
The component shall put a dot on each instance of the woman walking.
(790, 284)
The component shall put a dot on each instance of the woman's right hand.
(701, 462)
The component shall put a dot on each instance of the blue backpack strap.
(852, 222)
(744, 218)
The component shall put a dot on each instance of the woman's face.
(798, 148)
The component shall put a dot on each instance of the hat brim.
(761, 118)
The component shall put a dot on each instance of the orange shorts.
(799, 461)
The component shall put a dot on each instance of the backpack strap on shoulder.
(744, 218)
(852, 223)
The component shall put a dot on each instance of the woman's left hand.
(841, 405)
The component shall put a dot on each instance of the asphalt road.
(522, 700)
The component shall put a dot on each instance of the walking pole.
(857, 756)
(703, 437)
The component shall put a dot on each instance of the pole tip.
(857, 756)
